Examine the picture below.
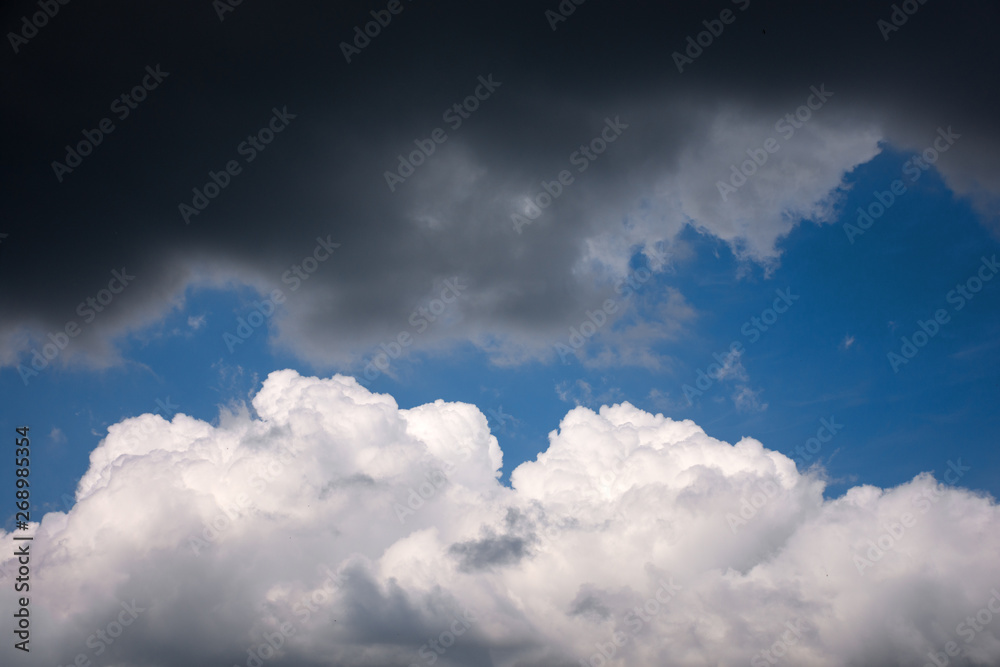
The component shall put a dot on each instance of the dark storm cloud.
(322, 176)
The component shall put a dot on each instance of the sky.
(508, 334)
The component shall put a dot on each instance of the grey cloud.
(323, 175)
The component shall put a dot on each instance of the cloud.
(732, 366)
(289, 516)
(748, 400)
(579, 392)
(324, 176)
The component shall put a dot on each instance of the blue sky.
(826, 357)
(695, 298)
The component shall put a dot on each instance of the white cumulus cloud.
(347, 531)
